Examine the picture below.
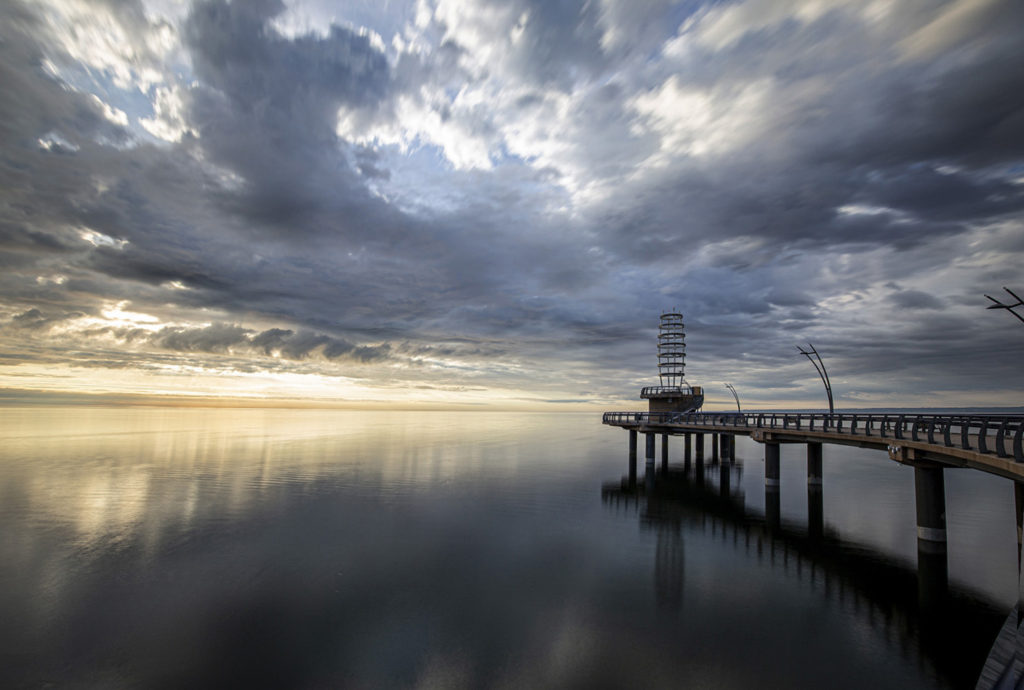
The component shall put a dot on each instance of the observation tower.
(674, 394)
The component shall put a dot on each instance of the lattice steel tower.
(671, 350)
(674, 394)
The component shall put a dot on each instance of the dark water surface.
(246, 548)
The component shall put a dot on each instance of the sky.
(489, 203)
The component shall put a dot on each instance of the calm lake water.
(295, 548)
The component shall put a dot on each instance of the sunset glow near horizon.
(479, 204)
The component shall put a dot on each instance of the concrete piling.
(772, 498)
(813, 464)
(930, 492)
(771, 466)
(649, 462)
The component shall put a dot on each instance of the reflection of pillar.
(772, 508)
(714, 448)
(723, 480)
(632, 457)
(686, 452)
(732, 448)
(668, 569)
(815, 511)
(932, 573)
(700, 448)
(932, 569)
(664, 452)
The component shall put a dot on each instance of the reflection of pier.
(913, 608)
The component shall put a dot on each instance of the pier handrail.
(988, 434)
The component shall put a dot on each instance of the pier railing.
(998, 435)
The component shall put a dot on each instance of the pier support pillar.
(664, 452)
(700, 448)
(649, 461)
(813, 464)
(772, 503)
(632, 457)
(714, 449)
(932, 568)
(728, 441)
(686, 451)
(930, 492)
(815, 500)
(771, 466)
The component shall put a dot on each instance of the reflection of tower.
(674, 394)
(668, 568)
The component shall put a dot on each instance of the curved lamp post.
(733, 391)
(819, 366)
(1008, 307)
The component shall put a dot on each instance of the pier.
(929, 443)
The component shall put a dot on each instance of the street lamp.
(733, 390)
(1008, 307)
(821, 372)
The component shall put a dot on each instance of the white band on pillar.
(768, 481)
(931, 533)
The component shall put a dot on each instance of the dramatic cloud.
(484, 202)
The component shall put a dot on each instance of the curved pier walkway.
(990, 443)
